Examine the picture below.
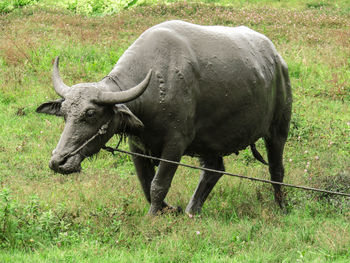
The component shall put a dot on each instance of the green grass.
(103, 7)
(100, 214)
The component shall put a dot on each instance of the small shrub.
(98, 7)
(7, 6)
(337, 183)
(29, 225)
(317, 5)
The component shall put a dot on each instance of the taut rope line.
(104, 128)
(112, 150)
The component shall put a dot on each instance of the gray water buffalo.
(180, 89)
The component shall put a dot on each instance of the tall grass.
(108, 7)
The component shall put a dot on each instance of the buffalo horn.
(126, 95)
(60, 88)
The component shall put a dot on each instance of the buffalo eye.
(90, 113)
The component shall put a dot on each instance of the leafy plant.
(7, 6)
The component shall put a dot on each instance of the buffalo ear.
(51, 107)
(129, 123)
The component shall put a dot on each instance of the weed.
(338, 183)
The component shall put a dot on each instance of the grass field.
(100, 215)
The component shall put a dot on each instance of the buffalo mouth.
(67, 165)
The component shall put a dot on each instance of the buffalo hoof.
(281, 202)
(191, 212)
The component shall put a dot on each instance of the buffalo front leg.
(206, 183)
(161, 182)
(145, 172)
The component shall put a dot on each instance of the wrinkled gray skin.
(210, 91)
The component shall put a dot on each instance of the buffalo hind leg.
(206, 183)
(145, 172)
(275, 146)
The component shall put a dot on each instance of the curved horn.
(60, 88)
(124, 96)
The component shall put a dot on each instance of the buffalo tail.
(257, 155)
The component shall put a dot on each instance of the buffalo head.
(86, 107)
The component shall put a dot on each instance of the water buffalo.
(180, 89)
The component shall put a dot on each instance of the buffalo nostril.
(53, 165)
(63, 161)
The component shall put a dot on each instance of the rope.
(112, 150)
(104, 128)
(101, 131)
